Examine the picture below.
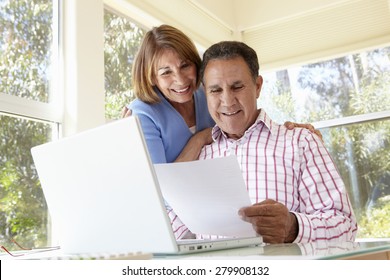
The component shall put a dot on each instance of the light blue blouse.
(166, 133)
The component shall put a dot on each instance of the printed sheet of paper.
(206, 195)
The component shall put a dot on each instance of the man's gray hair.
(229, 50)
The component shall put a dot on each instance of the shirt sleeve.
(325, 211)
(179, 229)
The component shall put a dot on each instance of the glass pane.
(23, 210)
(362, 155)
(25, 48)
(351, 85)
(121, 42)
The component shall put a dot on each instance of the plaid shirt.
(294, 168)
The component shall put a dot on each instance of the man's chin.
(231, 133)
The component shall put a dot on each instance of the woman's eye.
(165, 73)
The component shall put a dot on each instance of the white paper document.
(206, 195)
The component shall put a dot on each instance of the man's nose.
(227, 98)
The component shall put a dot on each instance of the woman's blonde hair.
(153, 44)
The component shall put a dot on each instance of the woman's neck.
(186, 110)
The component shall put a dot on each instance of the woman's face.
(176, 78)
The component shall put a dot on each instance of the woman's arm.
(192, 150)
(292, 125)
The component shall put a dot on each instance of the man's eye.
(238, 87)
(215, 90)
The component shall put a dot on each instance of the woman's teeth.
(181, 90)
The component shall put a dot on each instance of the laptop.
(103, 194)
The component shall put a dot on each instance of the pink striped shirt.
(294, 168)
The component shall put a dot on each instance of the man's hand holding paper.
(207, 195)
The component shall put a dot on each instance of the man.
(297, 192)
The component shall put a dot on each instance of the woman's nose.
(179, 77)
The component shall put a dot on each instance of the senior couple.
(296, 190)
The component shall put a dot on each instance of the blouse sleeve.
(153, 139)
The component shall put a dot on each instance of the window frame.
(355, 119)
(16, 106)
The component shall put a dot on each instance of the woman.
(170, 104)
(171, 108)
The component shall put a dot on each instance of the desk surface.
(324, 250)
(318, 250)
(368, 250)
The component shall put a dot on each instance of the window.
(32, 110)
(27, 116)
(122, 40)
(348, 99)
(26, 48)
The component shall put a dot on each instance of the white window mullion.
(23, 107)
(352, 119)
(82, 56)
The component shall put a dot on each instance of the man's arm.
(179, 229)
(325, 212)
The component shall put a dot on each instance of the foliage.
(25, 28)
(25, 49)
(376, 223)
(278, 102)
(23, 213)
(121, 38)
(329, 84)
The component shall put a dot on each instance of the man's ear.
(259, 84)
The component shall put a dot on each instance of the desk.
(324, 250)
(366, 250)
(373, 250)
(278, 260)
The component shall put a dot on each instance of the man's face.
(231, 95)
